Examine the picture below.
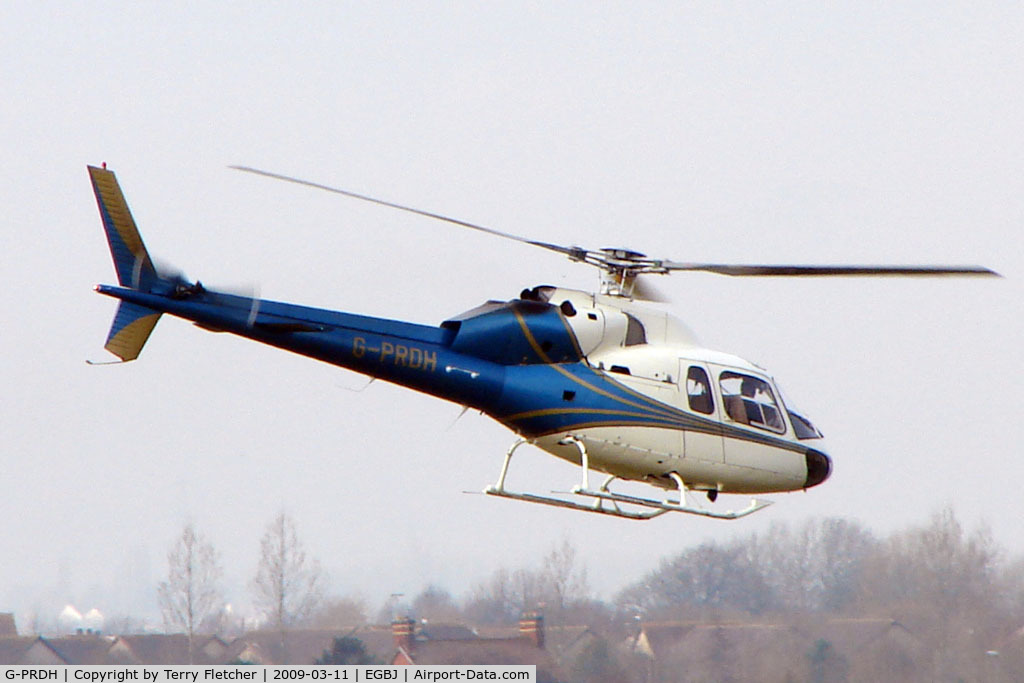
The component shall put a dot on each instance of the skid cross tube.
(671, 506)
(652, 508)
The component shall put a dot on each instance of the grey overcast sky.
(750, 132)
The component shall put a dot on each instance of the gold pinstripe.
(653, 405)
(572, 335)
(567, 411)
(587, 425)
(654, 408)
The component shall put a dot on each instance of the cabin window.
(750, 401)
(635, 333)
(698, 391)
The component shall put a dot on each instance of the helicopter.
(598, 379)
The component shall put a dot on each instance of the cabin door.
(702, 439)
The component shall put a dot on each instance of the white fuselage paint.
(768, 460)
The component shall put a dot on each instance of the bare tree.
(815, 567)
(340, 613)
(493, 601)
(941, 579)
(191, 594)
(709, 577)
(564, 580)
(558, 585)
(941, 567)
(288, 584)
(436, 604)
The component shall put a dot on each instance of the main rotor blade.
(818, 271)
(575, 253)
(611, 261)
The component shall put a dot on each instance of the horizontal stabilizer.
(132, 326)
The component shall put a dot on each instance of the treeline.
(936, 571)
(838, 566)
(959, 595)
(955, 595)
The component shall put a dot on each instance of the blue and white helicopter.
(596, 379)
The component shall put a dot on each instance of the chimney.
(531, 627)
(403, 629)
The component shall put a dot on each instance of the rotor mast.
(620, 269)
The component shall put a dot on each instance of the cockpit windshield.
(801, 425)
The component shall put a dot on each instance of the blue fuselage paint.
(517, 361)
(415, 356)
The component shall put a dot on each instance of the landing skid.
(650, 508)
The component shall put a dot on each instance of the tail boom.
(414, 356)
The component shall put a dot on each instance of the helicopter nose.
(819, 467)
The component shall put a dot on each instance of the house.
(97, 649)
(7, 627)
(168, 648)
(304, 646)
(876, 647)
(300, 646)
(751, 650)
(566, 645)
(29, 650)
(742, 651)
(708, 651)
(654, 639)
(86, 648)
(525, 648)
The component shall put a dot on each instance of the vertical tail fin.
(132, 323)
(131, 260)
(130, 330)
